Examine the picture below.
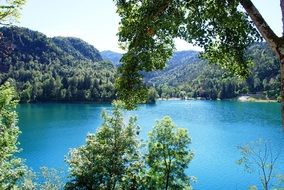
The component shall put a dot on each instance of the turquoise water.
(216, 128)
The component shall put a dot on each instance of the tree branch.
(262, 26)
(282, 11)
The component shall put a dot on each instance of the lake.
(49, 130)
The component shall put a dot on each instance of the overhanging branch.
(262, 26)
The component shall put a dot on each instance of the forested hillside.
(188, 76)
(69, 69)
(48, 69)
(197, 78)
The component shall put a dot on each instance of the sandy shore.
(252, 99)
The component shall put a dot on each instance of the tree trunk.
(281, 56)
(280, 53)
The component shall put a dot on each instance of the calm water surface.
(216, 128)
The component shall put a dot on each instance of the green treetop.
(104, 161)
(168, 156)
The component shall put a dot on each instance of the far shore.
(240, 99)
(247, 98)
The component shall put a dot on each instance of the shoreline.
(239, 99)
(253, 99)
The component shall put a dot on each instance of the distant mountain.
(177, 58)
(27, 42)
(112, 56)
(180, 57)
(59, 68)
(177, 62)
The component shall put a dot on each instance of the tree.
(51, 179)
(220, 27)
(12, 169)
(259, 156)
(152, 95)
(104, 161)
(168, 156)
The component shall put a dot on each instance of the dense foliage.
(112, 158)
(61, 69)
(107, 156)
(168, 156)
(12, 168)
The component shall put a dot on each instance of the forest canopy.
(54, 69)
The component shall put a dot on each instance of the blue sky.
(96, 22)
